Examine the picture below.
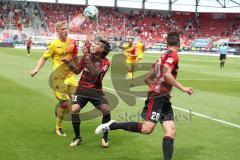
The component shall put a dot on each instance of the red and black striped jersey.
(89, 81)
(161, 86)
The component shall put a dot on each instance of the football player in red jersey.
(158, 108)
(93, 67)
(29, 45)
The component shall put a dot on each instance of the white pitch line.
(184, 110)
(109, 78)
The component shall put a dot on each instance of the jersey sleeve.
(172, 61)
(75, 50)
(156, 65)
(81, 64)
(49, 52)
(104, 67)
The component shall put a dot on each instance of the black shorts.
(222, 57)
(28, 48)
(96, 97)
(157, 109)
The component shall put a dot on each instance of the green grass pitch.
(27, 114)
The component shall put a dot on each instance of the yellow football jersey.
(58, 50)
(140, 47)
(130, 53)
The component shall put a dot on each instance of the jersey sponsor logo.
(170, 60)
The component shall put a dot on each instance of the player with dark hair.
(93, 67)
(29, 45)
(223, 49)
(158, 108)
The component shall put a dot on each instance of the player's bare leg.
(168, 139)
(148, 127)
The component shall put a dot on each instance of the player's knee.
(170, 131)
(75, 109)
(64, 104)
(105, 109)
(147, 129)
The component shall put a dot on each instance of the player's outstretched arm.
(169, 77)
(75, 60)
(72, 67)
(40, 64)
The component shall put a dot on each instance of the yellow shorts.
(131, 59)
(63, 87)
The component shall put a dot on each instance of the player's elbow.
(147, 129)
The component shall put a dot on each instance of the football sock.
(76, 124)
(58, 123)
(106, 118)
(167, 146)
(60, 113)
(128, 126)
(61, 110)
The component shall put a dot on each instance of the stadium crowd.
(14, 15)
(113, 22)
(117, 22)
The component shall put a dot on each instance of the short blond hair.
(59, 24)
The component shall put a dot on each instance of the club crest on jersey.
(170, 60)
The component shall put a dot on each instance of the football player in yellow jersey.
(131, 58)
(140, 50)
(62, 81)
